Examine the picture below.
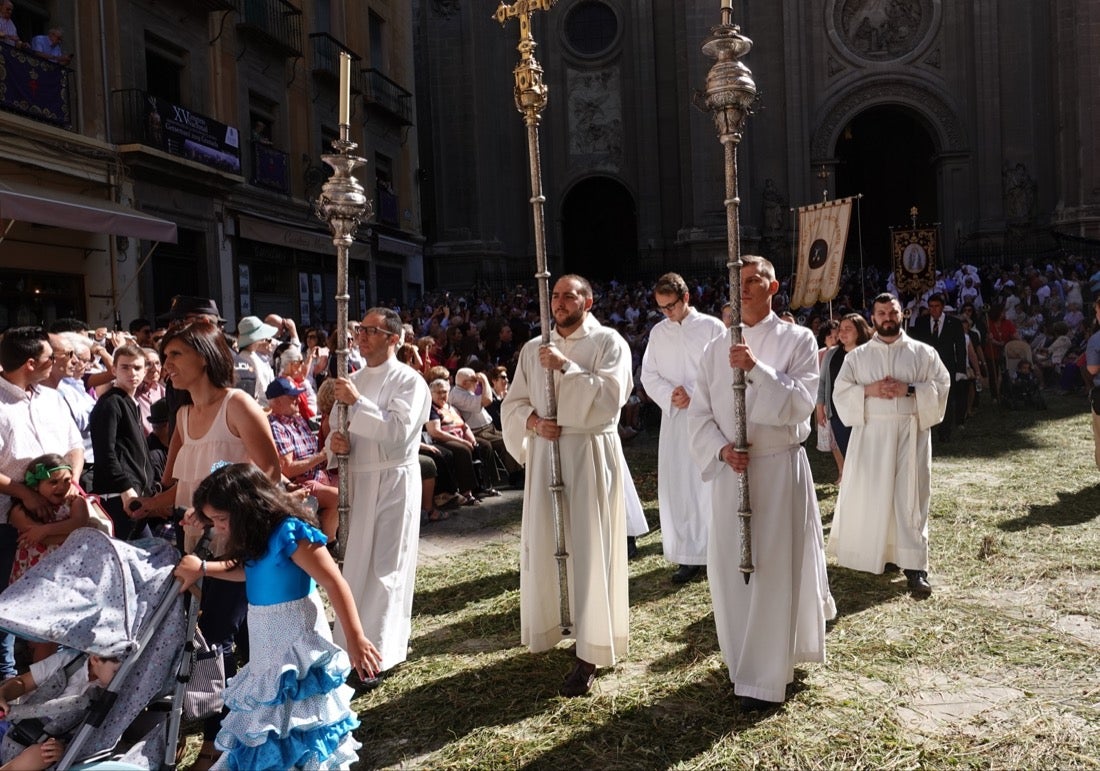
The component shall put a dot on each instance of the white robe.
(882, 507)
(384, 487)
(778, 619)
(590, 395)
(672, 359)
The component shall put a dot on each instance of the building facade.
(201, 124)
(976, 114)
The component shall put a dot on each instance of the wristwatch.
(912, 391)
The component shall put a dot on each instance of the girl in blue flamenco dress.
(288, 707)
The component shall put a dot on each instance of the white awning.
(80, 212)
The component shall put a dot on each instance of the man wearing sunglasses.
(387, 407)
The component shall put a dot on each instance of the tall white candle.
(727, 4)
(345, 88)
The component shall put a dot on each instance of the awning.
(80, 212)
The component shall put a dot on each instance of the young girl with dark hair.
(289, 706)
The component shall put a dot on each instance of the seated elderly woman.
(447, 428)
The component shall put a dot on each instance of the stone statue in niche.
(445, 8)
(1020, 191)
(775, 209)
(883, 29)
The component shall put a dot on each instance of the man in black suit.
(945, 334)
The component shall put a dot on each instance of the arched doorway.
(887, 154)
(599, 229)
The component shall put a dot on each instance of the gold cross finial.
(530, 91)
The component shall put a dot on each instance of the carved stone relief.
(1020, 192)
(595, 116)
(882, 30)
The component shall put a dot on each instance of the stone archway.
(599, 224)
(887, 154)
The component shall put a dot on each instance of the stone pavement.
(494, 520)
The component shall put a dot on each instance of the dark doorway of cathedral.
(599, 230)
(888, 154)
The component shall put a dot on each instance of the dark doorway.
(599, 230)
(888, 155)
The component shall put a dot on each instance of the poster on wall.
(303, 300)
(245, 283)
(181, 132)
(317, 301)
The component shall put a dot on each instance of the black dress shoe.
(685, 573)
(749, 704)
(631, 547)
(579, 681)
(918, 582)
(890, 567)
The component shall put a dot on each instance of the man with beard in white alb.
(891, 391)
(669, 369)
(590, 365)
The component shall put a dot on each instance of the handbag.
(825, 437)
(204, 695)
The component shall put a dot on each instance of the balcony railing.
(326, 59)
(274, 22)
(382, 93)
(270, 168)
(139, 117)
(34, 87)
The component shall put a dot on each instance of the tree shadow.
(855, 591)
(452, 598)
(669, 732)
(498, 694)
(699, 639)
(1071, 508)
(483, 633)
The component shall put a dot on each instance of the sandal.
(435, 515)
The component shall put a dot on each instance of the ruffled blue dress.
(289, 706)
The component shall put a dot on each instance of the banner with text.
(822, 234)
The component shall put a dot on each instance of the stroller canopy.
(93, 593)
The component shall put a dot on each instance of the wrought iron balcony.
(325, 61)
(210, 5)
(384, 95)
(276, 23)
(139, 117)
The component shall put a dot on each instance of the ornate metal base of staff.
(729, 97)
(343, 205)
(531, 96)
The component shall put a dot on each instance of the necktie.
(935, 327)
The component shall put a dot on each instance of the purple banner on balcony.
(33, 86)
(188, 134)
(271, 168)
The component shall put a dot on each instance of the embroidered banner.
(822, 234)
(915, 251)
(33, 86)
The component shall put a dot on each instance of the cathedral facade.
(977, 115)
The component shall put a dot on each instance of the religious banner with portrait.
(822, 234)
(915, 251)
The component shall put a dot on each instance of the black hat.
(185, 305)
(158, 412)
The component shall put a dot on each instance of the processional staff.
(531, 96)
(729, 97)
(343, 205)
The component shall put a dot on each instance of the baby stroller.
(99, 596)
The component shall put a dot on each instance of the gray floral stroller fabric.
(97, 595)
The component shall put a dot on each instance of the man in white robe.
(891, 391)
(388, 404)
(778, 618)
(591, 367)
(669, 369)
